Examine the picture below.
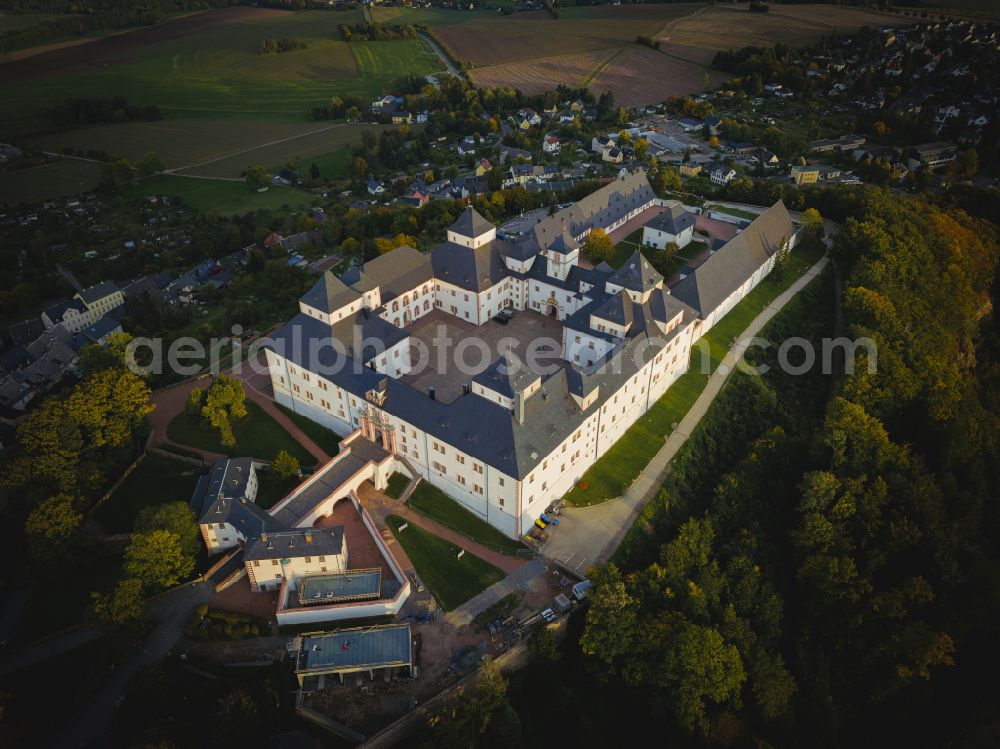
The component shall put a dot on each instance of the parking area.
(448, 352)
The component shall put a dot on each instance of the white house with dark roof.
(516, 438)
(675, 224)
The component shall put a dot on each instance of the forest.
(820, 567)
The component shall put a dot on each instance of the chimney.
(519, 406)
(430, 393)
(466, 388)
(309, 537)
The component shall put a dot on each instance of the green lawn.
(397, 485)
(453, 581)
(615, 471)
(272, 488)
(434, 503)
(225, 197)
(156, 480)
(332, 165)
(257, 435)
(393, 60)
(326, 439)
(627, 247)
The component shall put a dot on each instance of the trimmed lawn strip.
(397, 485)
(610, 476)
(156, 480)
(257, 435)
(738, 212)
(430, 501)
(453, 581)
(328, 441)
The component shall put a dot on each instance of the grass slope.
(53, 179)
(156, 480)
(619, 467)
(453, 581)
(257, 435)
(434, 503)
(327, 440)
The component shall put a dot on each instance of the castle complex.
(513, 430)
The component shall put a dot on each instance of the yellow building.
(805, 175)
(690, 170)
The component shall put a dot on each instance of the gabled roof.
(98, 291)
(564, 244)
(329, 294)
(617, 309)
(395, 272)
(471, 224)
(636, 274)
(508, 375)
(226, 501)
(674, 220)
(471, 269)
(300, 542)
(736, 261)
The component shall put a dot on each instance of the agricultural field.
(225, 197)
(595, 45)
(207, 65)
(211, 148)
(496, 40)
(718, 27)
(54, 179)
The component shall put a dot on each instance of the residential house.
(375, 187)
(689, 169)
(551, 144)
(721, 174)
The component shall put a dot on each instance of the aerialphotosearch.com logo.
(469, 355)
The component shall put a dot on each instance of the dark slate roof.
(674, 220)
(472, 269)
(564, 244)
(471, 224)
(508, 375)
(725, 271)
(636, 274)
(616, 309)
(106, 325)
(299, 542)
(329, 294)
(98, 291)
(57, 312)
(226, 501)
(26, 331)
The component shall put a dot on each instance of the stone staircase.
(414, 482)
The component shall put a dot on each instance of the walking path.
(50, 647)
(440, 53)
(170, 402)
(381, 506)
(590, 535)
(171, 610)
(520, 579)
